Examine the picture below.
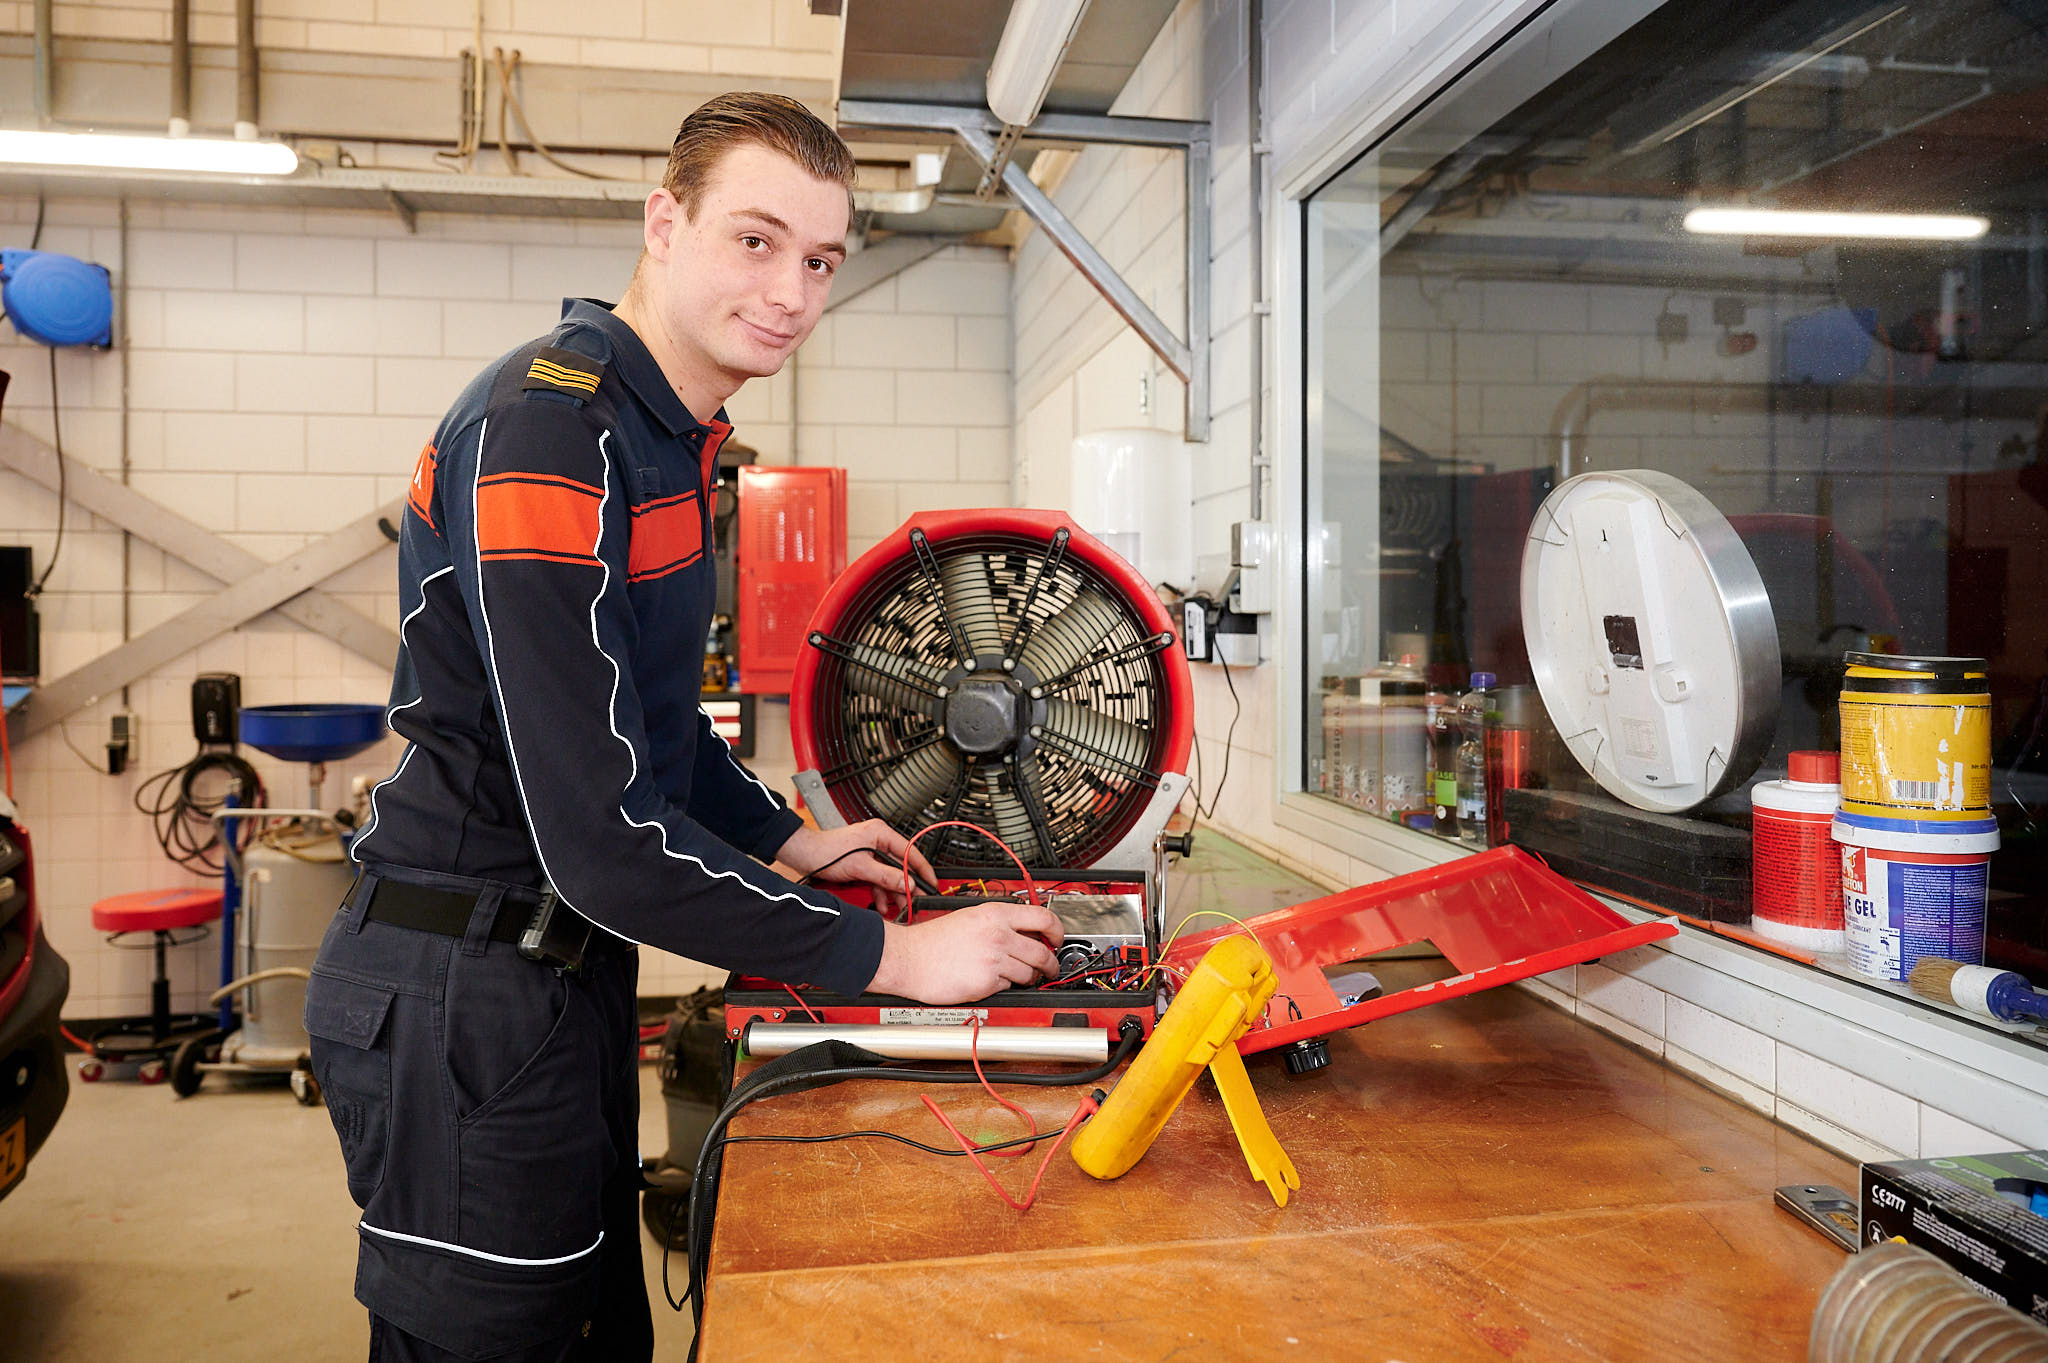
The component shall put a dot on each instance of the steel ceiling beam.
(980, 132)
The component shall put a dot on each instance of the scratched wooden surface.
(1481, 1179)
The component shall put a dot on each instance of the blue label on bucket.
(1899, 911)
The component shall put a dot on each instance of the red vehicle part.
(24, 875)
(1498, 917)
(792, 543)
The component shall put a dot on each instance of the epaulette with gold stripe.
(563, 371)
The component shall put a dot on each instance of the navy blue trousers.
(488, 1112)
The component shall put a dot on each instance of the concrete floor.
(214, 1229)
(217, 1228)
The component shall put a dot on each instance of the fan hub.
(985, 715)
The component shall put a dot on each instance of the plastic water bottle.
(1472, 708)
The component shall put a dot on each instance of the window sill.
(1979, 1072)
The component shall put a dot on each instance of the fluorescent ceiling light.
(108, 151)
(1034, 40)
(1777, 222)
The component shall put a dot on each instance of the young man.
(562, 795)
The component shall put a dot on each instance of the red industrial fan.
(1001, 668)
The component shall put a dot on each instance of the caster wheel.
(666, 1215)
(152, 1072)
(185, 1075)
(305, 1088)
(91, 1071)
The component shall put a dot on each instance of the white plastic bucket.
(1907, 893)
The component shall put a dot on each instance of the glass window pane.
(1516, 287)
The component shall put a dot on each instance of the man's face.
(745, 280)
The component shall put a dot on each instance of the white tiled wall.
(282, 369)
(1834, 1105)
(753, 37)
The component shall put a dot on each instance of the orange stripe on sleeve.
(537, 516)
(422, 495)
(667, 535)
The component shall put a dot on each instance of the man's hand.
(969, 953)
(842, 856)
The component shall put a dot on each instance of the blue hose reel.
(57, 300)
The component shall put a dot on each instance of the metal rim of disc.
(1749, 627)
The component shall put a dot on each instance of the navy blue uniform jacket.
(556, 590)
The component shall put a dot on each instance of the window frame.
(1974, 1070)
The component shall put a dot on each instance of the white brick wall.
(283, 370)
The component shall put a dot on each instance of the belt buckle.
(555, 939)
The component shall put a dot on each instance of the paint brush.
(2001, 994)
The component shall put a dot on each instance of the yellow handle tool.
(1224, 995)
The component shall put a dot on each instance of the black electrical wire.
(35, 238)
(1229, 738)
(63, 483)
(956, 1152)
(812, 877)
(819, 1065)
(182, 817)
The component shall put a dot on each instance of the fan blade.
(872, 669)
(902, 796)
(1120, 743)
(1013, 825)
(969, 603)
(1058, 646)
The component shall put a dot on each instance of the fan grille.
(1088, 765)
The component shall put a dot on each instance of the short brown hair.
(742, 116)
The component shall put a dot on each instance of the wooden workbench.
(1481, 1179)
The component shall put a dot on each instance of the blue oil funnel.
(312, 733)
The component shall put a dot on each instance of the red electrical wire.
(1085, 1108)
(1030, 886)
(974, 1054)
(801, 1004)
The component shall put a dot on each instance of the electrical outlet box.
(1253, 552)
(122, 736)
(1194, 628)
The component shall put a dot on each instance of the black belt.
(544, 928)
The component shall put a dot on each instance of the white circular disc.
(1651, 638)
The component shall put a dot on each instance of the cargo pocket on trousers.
(352, 1061)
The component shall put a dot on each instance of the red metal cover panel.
(1498, 917)
(792, 543)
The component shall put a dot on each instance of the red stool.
(161, 913)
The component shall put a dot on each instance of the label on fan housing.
(941, 1017)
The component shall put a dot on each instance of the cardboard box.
(1953, 1209)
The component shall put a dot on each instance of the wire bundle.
(181, 810)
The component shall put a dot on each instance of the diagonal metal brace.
(191, 542)
(271, 585)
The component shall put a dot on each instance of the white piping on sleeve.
(633, 758)
(480, 1254)
(356, 844)
(774, 805)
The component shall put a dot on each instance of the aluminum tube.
(918, 1041)
(181, 67)
(245, 69)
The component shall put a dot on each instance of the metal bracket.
(990, 142)
(407, 214)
